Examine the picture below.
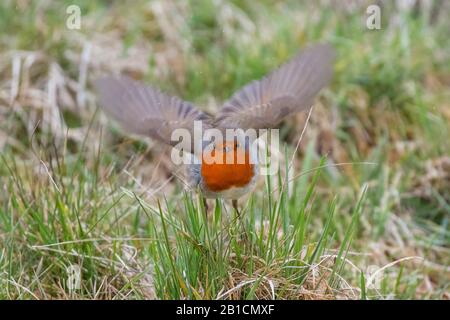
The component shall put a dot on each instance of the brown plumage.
(263, 103)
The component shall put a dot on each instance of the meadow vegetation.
(362, 213)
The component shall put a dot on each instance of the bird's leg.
(243, 234)
(205, 204)
(237, 218)
(235, 206)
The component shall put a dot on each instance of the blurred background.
(66, 172)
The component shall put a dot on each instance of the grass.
(364, 215)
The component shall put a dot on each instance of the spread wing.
(290, 88)
(144, 110)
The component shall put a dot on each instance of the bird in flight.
(261, 104)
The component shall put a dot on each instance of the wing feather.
(290, 88)
(145, 110)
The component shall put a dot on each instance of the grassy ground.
(366, 211)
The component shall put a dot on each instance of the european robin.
(261, 104)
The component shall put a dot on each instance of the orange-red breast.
(260, 104)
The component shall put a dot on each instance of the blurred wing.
(291, 88)
(145, 110)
